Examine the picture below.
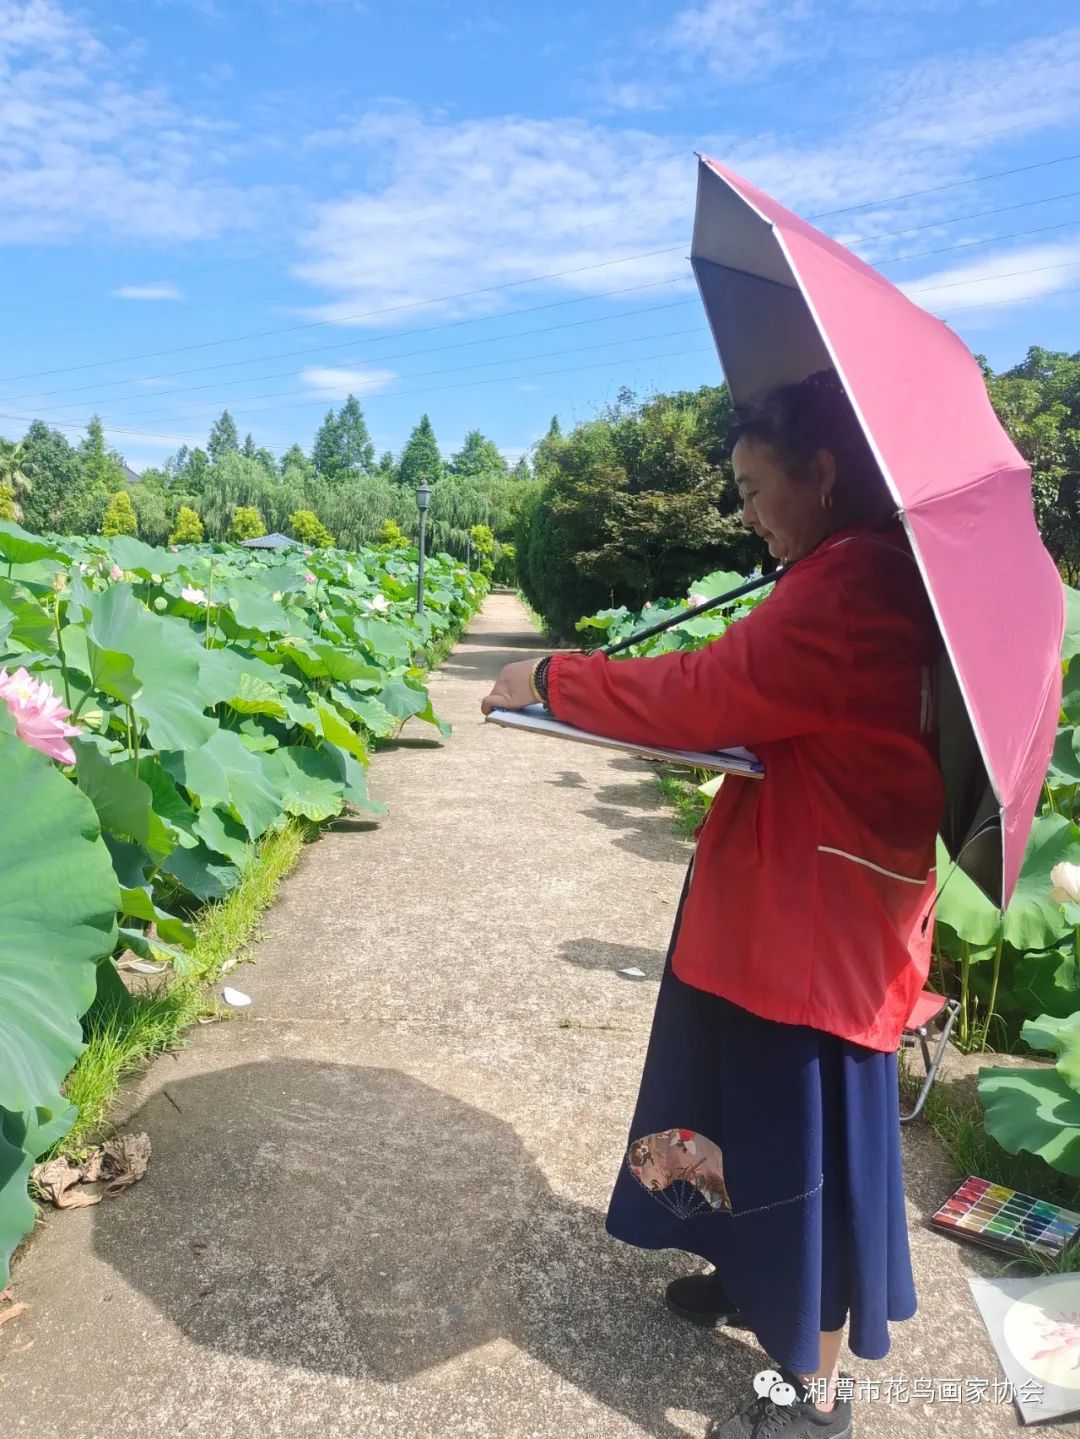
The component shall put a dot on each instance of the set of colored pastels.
(1005, 1219)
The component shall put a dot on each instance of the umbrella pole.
(735, 594)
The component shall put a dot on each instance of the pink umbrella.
(784, 301)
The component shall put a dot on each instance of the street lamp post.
(468, 552)
(423, 499)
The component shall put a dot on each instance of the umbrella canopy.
(785, 301)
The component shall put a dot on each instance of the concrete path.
(376, 1201)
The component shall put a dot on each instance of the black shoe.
(701, 1299)
(771, 1418)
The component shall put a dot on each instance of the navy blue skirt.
(772, 1151)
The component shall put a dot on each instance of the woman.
(766, 1134)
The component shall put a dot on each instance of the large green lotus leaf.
(1034, 1110)
(256, 612)
(224, 674)
(167, 696)
(109, 671)
(168, 802)
(258, 697)
(125, 806)
(310, 779)
(1033, 920)
(365, 708)
(343, 666)
(224, 771)
(58, 902)
(338, 732)
(1065, 762)
(131, 554)
(1061, 1036)
(1070, 693)
(221, 833)
(1071, 643)
(19, 547)
(27, 626)
(405, 701)
(202, 873)
(354, 781)
(16, 1210)
(131, 863)
(388, 641)
(299, 653)
(139, 904)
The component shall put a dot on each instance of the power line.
(432, 217)
(544, 329)
(396, 355)
(491, 380)
(511, 284)
(986, 279)
(937, 189)
(500, 379)
(346, 319)
(313, 397)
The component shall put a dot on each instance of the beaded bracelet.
(538, 680)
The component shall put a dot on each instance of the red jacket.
(809, 887)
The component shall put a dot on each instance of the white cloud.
(339, 384)
(484, 204)
(1009, 277)
(164, 290)
(737, 39)
(89, 148)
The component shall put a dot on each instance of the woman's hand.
(511, 690)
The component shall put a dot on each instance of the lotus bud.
(59, 582)
(1065, 883)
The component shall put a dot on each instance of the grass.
(122, 1036)
(680, 789)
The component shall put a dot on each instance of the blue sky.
(482, 211)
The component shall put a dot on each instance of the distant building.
(129, 474)
(270, 542)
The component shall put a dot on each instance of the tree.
(478, 459)
(354, 443)
(55, 476)
(13, 474)
(484, 545)
(120, 516)
(420, 459)
(102, 475)
(309, 529)
(8, 508)
(151, 514)
(324, 452)
(343, 450)
(247, 523)
(188, 529)
(224, 438)
(391, 537)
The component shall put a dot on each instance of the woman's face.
(785, 512)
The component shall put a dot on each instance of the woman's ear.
(822, 472)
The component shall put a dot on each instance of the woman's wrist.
(538, 681)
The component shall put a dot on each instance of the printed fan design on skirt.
(681, 1169)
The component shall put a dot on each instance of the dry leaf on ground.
(118, 1163)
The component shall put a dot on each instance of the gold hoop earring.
(826, 500)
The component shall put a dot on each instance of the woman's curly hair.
(798, 420)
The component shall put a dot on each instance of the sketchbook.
(535, 719)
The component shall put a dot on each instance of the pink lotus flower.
(116, 573)
(39, 715)
(310, 579)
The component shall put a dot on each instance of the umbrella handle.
(735, 594)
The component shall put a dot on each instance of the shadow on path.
(354, 1221)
